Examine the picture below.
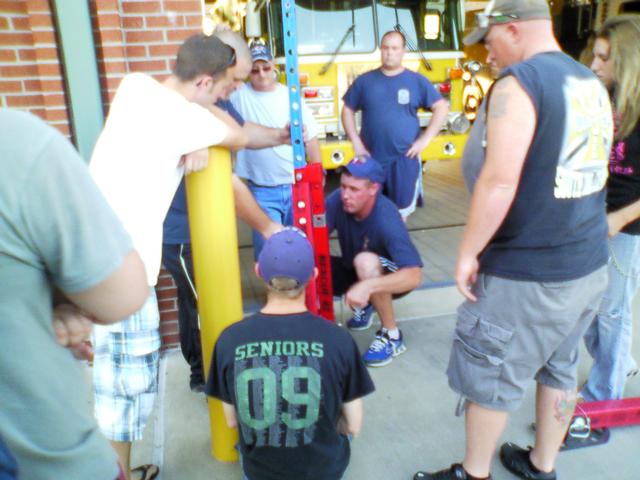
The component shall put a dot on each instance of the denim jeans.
(608, 339)
(276, 203)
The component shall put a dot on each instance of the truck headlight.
(459, 124)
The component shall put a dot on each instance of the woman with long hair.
(617, 63)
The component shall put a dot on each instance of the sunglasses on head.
(361, 159)
(231, 61)
(484, 20)
(265, 69)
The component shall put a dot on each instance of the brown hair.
(623, 34)
(201, 54)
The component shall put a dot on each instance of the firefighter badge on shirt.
(403, 96)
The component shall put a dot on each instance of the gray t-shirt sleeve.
(67, 221)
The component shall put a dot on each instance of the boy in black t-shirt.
(290, 381)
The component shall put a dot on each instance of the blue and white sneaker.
(383, 349)
(362, 318)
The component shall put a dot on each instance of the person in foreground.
(290, 381)
(532, 261)
(58, 235)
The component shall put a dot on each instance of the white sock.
(393, 334)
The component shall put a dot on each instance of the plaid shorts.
(125, 372)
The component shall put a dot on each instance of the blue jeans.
(276, 203)
(608, 339)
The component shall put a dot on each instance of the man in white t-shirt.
(269, 171)
(154, 133)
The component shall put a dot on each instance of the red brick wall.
(130, 36)
(30, 73)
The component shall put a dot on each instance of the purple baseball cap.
(364, 166)
(259, 51)
(287, 253)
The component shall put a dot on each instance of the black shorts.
(343, 278)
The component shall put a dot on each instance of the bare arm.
(440, 111)
(403, 280)
(230, 415)
(250, 212)
(260, 136)
(350, 422)
(511, 124)
(620, 218)
(349, 125)
(117, 296)
(313, 150)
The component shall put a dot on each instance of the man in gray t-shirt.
(57, 233)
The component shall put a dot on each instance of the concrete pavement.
(409, 420)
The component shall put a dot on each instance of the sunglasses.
(484, 20)
(361, 159)
(265, 69)
(231, 61)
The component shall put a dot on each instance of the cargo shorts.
(518, 331)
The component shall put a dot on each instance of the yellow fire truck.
(339, 39)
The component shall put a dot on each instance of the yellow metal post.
(214, 243)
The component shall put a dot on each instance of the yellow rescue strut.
(214, 243)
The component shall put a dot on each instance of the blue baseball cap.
(364, 166)
(288, 254)
(260, 51)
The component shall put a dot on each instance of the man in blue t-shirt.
(389, 98)
(291, 382)
(378, 261)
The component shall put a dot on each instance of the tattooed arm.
(511, 120)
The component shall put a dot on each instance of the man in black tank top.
(531, 263)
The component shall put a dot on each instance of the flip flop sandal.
(147, 472)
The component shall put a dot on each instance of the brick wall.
(30, 72)
(129, 35)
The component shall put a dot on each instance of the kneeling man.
(290, 381)
(378, 261)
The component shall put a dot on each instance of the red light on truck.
(445, 88)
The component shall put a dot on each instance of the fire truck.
(339, 40)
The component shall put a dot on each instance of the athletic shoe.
(196, 385)
(517, 461)
(456, 472)
(383, 349)
(362, 318)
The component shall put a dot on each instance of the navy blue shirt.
(383, 232)
(176, 223)
(389, 110)
(556, 228)
(287, 377)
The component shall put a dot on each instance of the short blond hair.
(285, 287)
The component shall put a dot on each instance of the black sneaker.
(456, 472)
(196, 385)
(517, 461)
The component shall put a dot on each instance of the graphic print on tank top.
(582, 166)
(278, 392)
